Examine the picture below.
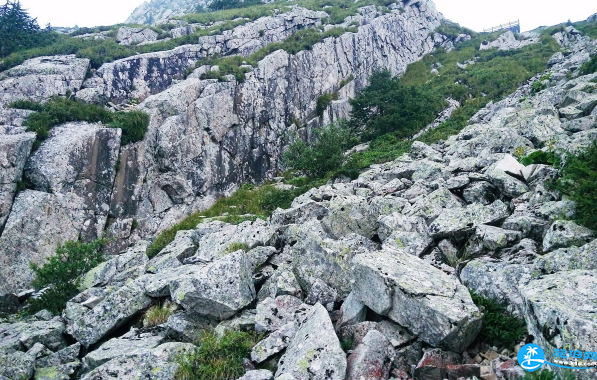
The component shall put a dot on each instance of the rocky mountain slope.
(371, 266)
(158, 11)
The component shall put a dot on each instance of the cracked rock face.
(315, 351)
(416, 295)
(78, 161)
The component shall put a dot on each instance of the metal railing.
(509, 25)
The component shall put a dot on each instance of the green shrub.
(59, 110)
(545, 374)
(157, 314)
(500, 328)
(579, 181)
(590, 66)
(217, 358)
(387, 105)
(324, 101)
(61, 273)
(233, 247)
(540, 85)
(540, 157)
(247, 203)
(325, 155)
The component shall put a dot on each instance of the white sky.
(473, 14)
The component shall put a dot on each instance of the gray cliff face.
(206, 136)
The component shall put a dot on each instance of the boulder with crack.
(417, 296)
(314, 352)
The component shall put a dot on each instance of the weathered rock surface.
(508, 41)
(14, 150)
(314, 352)
(371, 359)
(37, 223)
(217, 290)
(563, 233)
(78, 161)
(418, 296)
(133, 36)
(38, 79)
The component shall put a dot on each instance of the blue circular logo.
(531, 357)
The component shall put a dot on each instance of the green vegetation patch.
(217, 358)
(247, 203)
(233, 247)
(157, 314)
(590, 66)
(324, 101)
(62, 273)
(579, 182)
(59, 110)
(545, 374)
(500, 328)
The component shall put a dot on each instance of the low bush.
(590, 66)
(325, 155)
(233, 247)
(579, 181)
(61, 273)
(217, 358)
(545, 374)
(157, 314)
(59, 110)
(324, 101)
(500, 328)
(540, 157)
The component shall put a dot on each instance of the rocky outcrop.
(159, 11)
(135, 77)
(78, 161)
(508, 41)
(14, 150)
(38, 79)
(135, 36)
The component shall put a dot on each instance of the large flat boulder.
(217, 290)
(417, 296)
(460, 221)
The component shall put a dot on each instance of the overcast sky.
(474, 14)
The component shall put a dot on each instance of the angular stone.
(183, 246)
(560, 309)
(274, 343)
(217, 290)
(158, 364)
(260, 374)
(118, 307)
(433, 205)
(40, 78)
(315, 256)
(300, 214)
(282, 282)
(417, 296)
(502, 175)
(275, 313)
(66, 355)
(494, 238)
(352, 311)
(564, 233)
(460, 221)
(321, 293)
(185, 326)
(314, 352)
(408, 233)
(480, 192)
(116, 271)
(371, 359)
(499, 281)
(434, 363)
(15, 336)
(565, 259)
(350, 214)
(129, 36)
(16, 365)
